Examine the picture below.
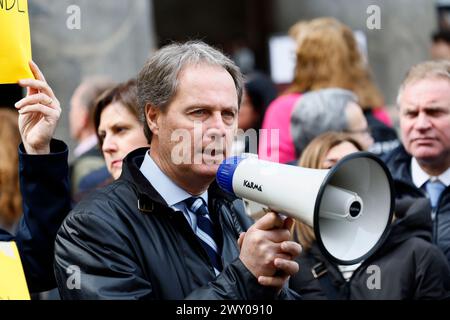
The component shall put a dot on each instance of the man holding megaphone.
(164, 230)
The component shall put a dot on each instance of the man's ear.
(83, 116)
(152, 114)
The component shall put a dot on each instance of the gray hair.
(158, 80)
(425, 70)
(319, 112)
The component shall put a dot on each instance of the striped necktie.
(205, 231)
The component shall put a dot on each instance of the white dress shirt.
(169, 191)
(85, 146)
(420, 177)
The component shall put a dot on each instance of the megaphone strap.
(320, 272)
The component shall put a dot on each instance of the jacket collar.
(148, 197)
(399, 163)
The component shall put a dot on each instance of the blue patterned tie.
(434, 189)
(205, 231)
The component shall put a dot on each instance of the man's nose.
(216, 125)
(423, 121)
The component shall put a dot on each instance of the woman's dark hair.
(123, 93)
(441, 35)
(261, 92)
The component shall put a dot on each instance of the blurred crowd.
(140, 226)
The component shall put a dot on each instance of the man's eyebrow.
(436, 106)
(207, 106)
(432, 107)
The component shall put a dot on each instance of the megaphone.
(350, 206)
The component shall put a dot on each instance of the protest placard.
(13, 285)
(15, 41)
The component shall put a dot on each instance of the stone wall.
(114, 39)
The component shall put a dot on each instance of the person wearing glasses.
(328, 110)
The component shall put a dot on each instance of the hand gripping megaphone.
(350, 206)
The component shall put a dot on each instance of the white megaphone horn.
(350, 206)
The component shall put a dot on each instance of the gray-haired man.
(421, 166)
(164, 230)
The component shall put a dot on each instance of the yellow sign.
(13, 285)
(15, 41)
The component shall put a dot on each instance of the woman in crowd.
(326, 110)
(410, 266)
(118, 129)
(327, 57)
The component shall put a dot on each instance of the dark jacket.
(408, 265)
(385, 138)
(44, 209)
(399, 164)
(130, 245)
(80, 171)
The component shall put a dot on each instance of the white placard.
(282, 59)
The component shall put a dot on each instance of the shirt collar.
(420, 177)
(168, 190)
(86, 145)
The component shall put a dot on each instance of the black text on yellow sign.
(13, 5)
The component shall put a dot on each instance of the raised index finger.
(37, 72)
(37, 86)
